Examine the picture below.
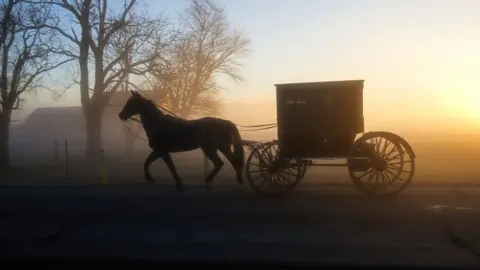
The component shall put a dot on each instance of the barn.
(47, 126)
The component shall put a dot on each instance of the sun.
(470, 108)
(473, 111)
(463, 104)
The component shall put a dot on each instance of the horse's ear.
(133, 92)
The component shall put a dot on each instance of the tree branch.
(25, 56)
(119, 24)
(206, 47)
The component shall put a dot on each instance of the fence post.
(67, 169)
(103, 167)
(55, 150)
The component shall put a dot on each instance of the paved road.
(315, 224)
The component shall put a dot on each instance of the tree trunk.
(130, 131)
(4, 144)
(94, 137)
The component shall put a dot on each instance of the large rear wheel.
(380, 164)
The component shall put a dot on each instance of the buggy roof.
(325, 84)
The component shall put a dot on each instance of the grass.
(442, 162)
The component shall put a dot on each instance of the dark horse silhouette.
(168, 134)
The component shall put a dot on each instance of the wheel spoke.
(258, 177)
(399, 163)
(395, 177)
(398, 169)
(377, 180)
(284, 180)
(290, 172)
(376, 145)
(285, 177)
(389, 153)
(384, 185)
(365, 173)
(372, 181)
(381, 146)
(265, 180)
(390, 182)
(371, 177)
(280, 181)
(387, 143)
(268, 156)
(398, 156)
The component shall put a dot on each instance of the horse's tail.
(238, 151)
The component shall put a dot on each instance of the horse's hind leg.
(227, 152)
(169, 162)
(217, 166)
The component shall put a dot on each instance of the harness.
(172, 114)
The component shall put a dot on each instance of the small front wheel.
(269, 174)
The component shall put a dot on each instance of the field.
(440, 160)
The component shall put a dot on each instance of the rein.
(131, 131)
(126, 126)
(251, 127)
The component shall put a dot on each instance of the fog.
(38, 147)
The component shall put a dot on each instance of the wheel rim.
(393, 176)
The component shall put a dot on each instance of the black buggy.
(320, 122)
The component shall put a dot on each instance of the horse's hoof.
(208, 188)
(179, 189)
(240, 182)
(150, 180)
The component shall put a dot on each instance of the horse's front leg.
(168, 160)
(146, 165)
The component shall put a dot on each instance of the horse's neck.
(150, 116)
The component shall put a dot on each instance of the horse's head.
(133, 106)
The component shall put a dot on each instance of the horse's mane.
(157, 109)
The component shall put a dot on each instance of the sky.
(419, 59)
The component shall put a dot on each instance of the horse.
(171, 134)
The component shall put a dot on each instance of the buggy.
(322, 124)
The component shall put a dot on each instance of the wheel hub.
(273, 169)
(380, 164)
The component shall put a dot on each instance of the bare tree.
(207, 47)
(131, 129)
(101, 32)
(25, 56)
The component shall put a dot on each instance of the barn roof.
(61, 116)
(55, 111)
(72, 115)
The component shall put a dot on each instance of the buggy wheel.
(381, 164)
(268, 174)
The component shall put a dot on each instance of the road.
(314, 224)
